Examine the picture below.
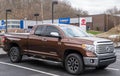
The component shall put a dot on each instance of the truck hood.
(94, 39)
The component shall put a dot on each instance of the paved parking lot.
(30, 67)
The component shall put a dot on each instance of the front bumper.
(99, 61)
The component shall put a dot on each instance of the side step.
(45, 60)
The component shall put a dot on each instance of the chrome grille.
(104, 48)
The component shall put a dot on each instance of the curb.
(2, 51)
(3, 55)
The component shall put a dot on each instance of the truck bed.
(17, 38)
(18, 35)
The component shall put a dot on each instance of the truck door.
(51, 44)
(35, 44)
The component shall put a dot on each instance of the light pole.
(42, 15)
(36, 15)
(25, 22)
(78, 19)
(53, 3)
(7, 11)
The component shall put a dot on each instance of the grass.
(94, 32)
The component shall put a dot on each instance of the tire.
(74, 64)
(15, 55)
(101, 67)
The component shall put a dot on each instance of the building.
(101, 22)
(13, 23)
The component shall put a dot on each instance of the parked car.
(67, 44)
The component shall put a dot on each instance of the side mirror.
(55, 34)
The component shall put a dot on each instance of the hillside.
(22, 9)
(114, 31)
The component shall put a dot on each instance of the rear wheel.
(74, 64)
(15, 55)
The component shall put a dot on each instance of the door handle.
(44, 39)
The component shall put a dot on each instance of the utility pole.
(53, 3)
(36, 15)
(7, 11)
(42, 15)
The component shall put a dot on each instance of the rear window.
(39, 30)
(50, 29)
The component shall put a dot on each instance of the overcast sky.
(95, 6)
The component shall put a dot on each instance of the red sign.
(83, 21)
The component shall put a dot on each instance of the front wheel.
(74, 64)
(15, 55)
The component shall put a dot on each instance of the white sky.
(95, 6)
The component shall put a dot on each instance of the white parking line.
(113, 69)
(34, 70)
(117, 53)
(118, 59)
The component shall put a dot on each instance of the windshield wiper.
(76, 36)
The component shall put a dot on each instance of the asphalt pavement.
(2, 52)
(30, 67)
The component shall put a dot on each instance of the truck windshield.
(74, 31)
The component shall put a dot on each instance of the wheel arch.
(70, 51)
(13, 44)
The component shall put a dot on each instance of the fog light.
(91, 60)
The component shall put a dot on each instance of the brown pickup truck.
(62, 43)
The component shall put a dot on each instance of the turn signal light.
(90, 54)
(3, 39)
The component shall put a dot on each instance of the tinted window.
(39, 30)
(50, 29)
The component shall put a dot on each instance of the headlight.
(90, 50)
(89, 47)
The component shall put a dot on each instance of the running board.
(45, 60)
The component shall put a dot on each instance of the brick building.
(103, 22)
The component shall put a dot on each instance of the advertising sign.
(2, 26)
(21, 24)
(83, 23)
(2, 22)
(64, 20)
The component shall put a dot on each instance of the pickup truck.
(67, 44)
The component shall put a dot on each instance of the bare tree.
(113, 16)
(112, 11)
(22, 9)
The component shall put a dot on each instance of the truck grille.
(104, 48)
